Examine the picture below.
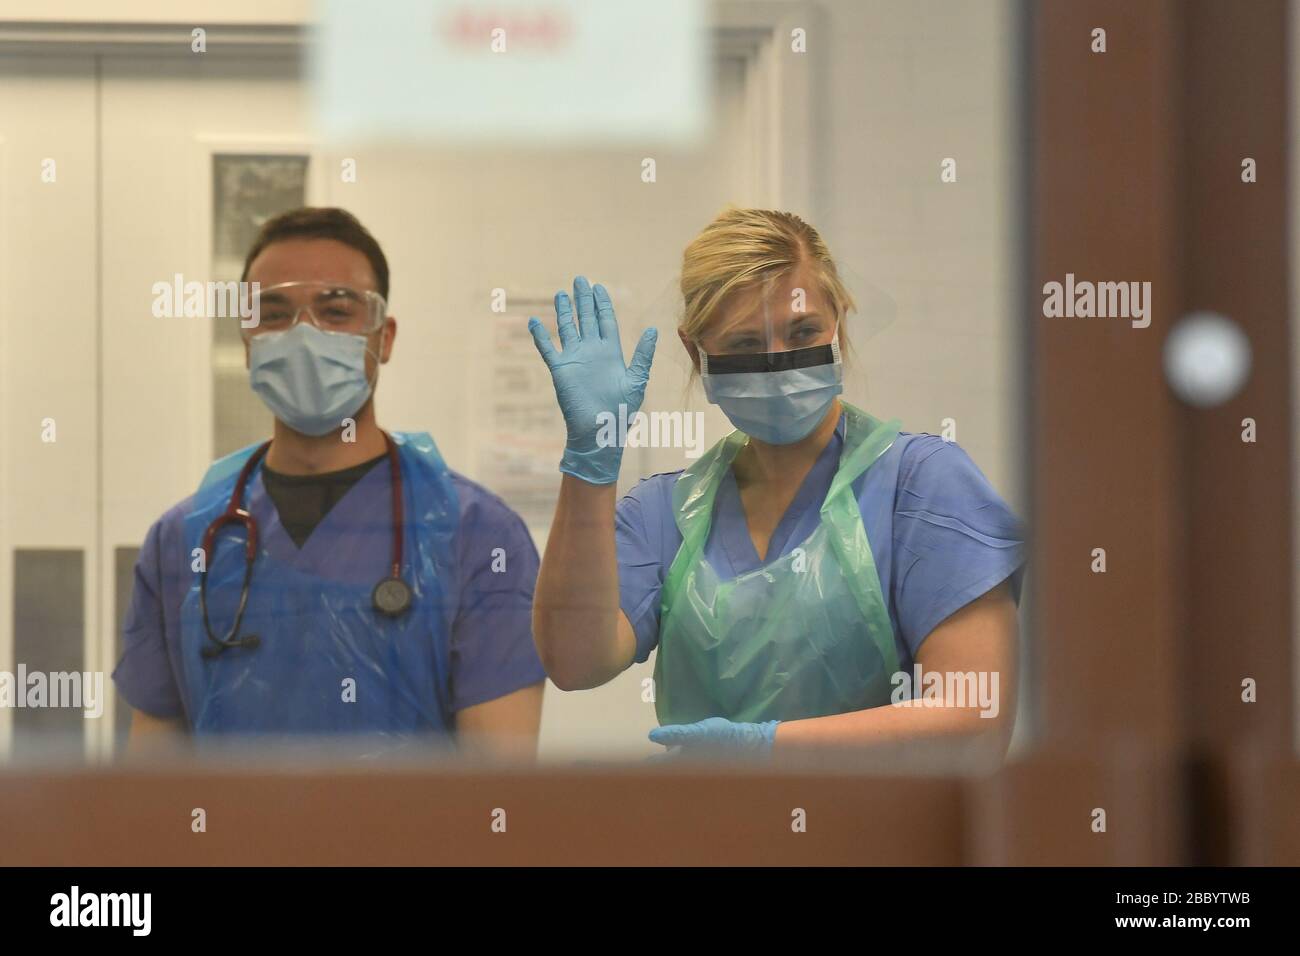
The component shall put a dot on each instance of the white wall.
(910, 84)
(48, 326)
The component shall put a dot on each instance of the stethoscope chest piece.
(391, 597)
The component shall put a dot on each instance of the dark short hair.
(322, 222)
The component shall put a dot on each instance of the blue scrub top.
(489, 614)
(939, 533)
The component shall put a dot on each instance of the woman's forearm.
(576, 607)
(576, 617)
(938, 729)
(884, 724)
(978, 639)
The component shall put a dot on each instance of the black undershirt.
(303, 500)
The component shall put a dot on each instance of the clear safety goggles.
(330, 306)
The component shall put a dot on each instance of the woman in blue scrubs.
(812, 570)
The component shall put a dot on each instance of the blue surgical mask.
(776, 397)
(311, 380)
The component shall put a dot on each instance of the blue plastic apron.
(317, 635)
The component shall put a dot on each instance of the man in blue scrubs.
(339, 625)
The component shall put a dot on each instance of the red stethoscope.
(391, 597)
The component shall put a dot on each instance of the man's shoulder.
(485, 517)
(481, 505)
(171, 523)
(165, 548)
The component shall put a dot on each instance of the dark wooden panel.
(1040, 810)
(1239, 563)
(558, 818)
(1263, 806)
(1104, 208)
(1137, 156)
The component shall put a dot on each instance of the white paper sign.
(555, 71)
(521, 431)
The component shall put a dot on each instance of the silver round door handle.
(1207, 359)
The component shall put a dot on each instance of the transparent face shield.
(777, 317)
(329, 306)
(771, 361)
(773, 328)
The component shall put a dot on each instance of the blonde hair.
(745, 248)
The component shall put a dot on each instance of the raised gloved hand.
(590, 379)
(717, 735)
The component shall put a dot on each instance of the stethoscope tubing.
(235, 513)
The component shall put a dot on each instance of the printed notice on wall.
(522, 435)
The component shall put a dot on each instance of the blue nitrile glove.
(719, 735)
(590, 379)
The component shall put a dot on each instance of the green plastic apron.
(805, 635)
